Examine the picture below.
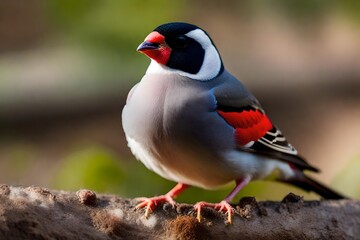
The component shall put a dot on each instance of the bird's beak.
(155, 47)
(147, 46)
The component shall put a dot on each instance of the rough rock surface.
(37, 213)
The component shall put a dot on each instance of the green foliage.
(350, 8)
(142, 182)
(105, 35)
(94, 168)
(309, 12)
(349, 178)
(20, 159)
(302, 9)
(117, 25)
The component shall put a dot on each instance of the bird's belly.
(181, 155)
(179, 138)
(180, 165)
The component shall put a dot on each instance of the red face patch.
(160, 54)
(155, 37)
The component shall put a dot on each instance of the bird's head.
(182, 48)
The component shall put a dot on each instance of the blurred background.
(67, 66)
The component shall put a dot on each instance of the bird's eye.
(181, 41)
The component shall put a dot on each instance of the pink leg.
(239, 185)
(224, 205)
(177, 190)
(150, 203)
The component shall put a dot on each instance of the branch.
(37, 213)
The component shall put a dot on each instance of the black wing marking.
(274, 145)
(275, 139)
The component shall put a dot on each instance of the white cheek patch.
(210, 67)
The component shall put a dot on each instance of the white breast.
(152, 163)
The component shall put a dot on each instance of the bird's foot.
(223, 207)
(226, 208)
(150, 203)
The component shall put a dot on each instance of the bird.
(192, 122)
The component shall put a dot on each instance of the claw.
(198, 206)
(170, 200)
(151, 203)
(223, 207)
(226, 208)
(198, 215)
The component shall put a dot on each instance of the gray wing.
(242, 110)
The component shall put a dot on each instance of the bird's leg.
(150, 203)
(224, 205)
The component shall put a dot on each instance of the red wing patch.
(250, 124)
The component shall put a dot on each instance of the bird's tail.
(309, 184)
